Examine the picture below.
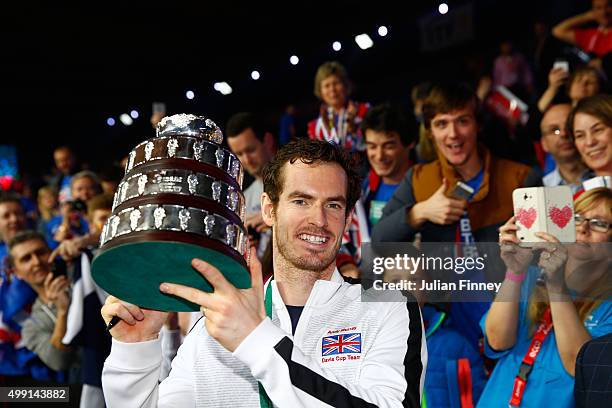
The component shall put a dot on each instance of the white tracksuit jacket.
(384, 364)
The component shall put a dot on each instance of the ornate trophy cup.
(180, 199)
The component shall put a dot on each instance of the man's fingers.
(54, 254)
(55, 284)
(442, 187)
(456, 203)
(134, 310)
(62, 285)
(188, 293)
(120, 310)
(48, 279)
(71, 249)
(256, 271)
(457, 211)
(212, 275)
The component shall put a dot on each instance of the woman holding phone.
(536, 330)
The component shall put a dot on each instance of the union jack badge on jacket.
(341, 344)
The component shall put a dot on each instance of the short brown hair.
(90, 175)
(328, 69)
(599, 106)
(20, 238)
(444, 98)
(10, 198)
(99, 202)
(310, 152)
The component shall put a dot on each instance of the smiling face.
(455, 134)
(333, 91)
(310, 216)
(386, 153)
(30, 260)
(593, 139)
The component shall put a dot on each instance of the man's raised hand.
(136, 324)
(231, 313)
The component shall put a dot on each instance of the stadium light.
(364, 41)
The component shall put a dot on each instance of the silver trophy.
(181, 198)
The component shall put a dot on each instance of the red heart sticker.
(560, 216)
(526, 217)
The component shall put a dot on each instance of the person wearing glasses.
(537, 329)
(590, 126)
(570, 170)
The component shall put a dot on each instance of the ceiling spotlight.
(337, 46)
(223, 87)
(126, 119)
(443, 8)
(382, 31)
(364, 41)
(110, 122)
(294, 60)
(134, 114)
(189, 95)
(255, 75)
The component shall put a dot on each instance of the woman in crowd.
(339, 117)
(536, 327)
(590, 124)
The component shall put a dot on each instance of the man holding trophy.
(304, 338)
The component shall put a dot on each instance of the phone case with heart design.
(544, 209)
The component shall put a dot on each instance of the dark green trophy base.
(133, 272)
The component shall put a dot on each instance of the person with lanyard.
(537, 329)
(423, 202)
(304, 338)
(339, 117)
(593, 40)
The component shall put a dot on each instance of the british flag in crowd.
(342, 344)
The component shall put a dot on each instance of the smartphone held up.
(544, 209)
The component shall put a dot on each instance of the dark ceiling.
(66, 68)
